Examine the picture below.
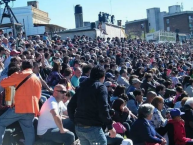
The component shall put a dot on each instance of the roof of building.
(179, 13)
(8, 25)
(49, 25)
(140, 20)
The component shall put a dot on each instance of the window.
(168, 28)
(167, 21)
(147, 11)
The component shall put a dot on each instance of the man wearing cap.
(178, 128)
(136, 83)
(110, 90)
(109, 77)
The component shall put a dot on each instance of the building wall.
(161, 20)
(153, 18)
(113, 31)
(134, 29)
(26, 14)
(90, 33)
(178, 22)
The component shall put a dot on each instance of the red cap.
(14, 52)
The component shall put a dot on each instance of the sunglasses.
(62, 92)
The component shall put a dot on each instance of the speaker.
(93, 25)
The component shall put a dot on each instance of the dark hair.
(159, 88)
(123, 71)
(167, 83)
(117, 104)
(184, 94)
(124, 97)
(148, 75)
(26, 65)
(14, 59)
(190, 81)
(97, 73)
(67, 71)
(65, 59)
(179, 89)
(35, 64)
(156, 101)
(119, 90)
(25, 53)
(56, 67)
(137, 92)
(12, 70)
(86, 68)
(46, 55)
(186, 81)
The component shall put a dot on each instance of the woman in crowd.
(121, 114)
(55, 76)
(142, 131)
(148, 84)
(158, 120)
(118, 91)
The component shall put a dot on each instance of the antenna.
(111, 6)
(182, 6)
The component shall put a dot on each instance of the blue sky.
(61, 12)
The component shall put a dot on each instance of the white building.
(35, 20)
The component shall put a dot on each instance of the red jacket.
(179, 132)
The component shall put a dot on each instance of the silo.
(78, 16)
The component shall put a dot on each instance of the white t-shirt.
(46, 120)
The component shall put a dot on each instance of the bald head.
(59, 87)
(59, 92)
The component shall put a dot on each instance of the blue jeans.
(91, 135)
(25, 121)
(54, 135)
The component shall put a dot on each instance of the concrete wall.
(26, 14)
(153, 18)
(161, 20)
(113, 31)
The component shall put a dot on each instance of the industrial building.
(175, 20)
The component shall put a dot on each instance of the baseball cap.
(176, 112)
(135, 80)
(14, 52)
(109, 75)
(109, 84)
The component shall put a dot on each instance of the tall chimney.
(33, 3)
(78, 16)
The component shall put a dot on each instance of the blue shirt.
(75, 81)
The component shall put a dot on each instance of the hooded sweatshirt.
(179, 132)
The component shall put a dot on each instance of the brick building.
(136, 28)
(179, 22)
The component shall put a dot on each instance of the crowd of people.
(99, 91)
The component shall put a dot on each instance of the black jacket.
(89, 106)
